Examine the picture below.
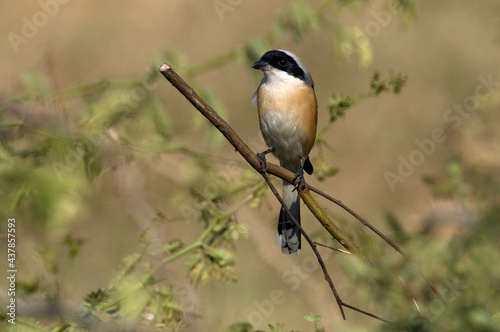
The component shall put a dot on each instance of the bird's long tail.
(288, 235)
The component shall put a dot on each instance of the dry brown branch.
(328, 279)
(251, 157)
(357, 216)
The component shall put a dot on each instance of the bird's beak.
(260, 65)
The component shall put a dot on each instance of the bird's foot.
(262, 159)
(299, 176)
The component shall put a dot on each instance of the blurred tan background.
(443, 52)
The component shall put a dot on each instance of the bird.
(288, 116)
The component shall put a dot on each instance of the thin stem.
(361, 219)
(340, 303)
(252, 159)
(199, 243)
(332, 248)
(183, 251)
(308, 239)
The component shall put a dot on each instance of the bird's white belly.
(281, 133)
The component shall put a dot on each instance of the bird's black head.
(285, 61)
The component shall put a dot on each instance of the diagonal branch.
(361, 219)
(254, 161)
(251, 157)
(328, 279)
(308, 239)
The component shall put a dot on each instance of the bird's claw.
(299, 176)
(262, 160)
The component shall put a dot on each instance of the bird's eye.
(283, 62)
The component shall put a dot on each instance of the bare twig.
(332, 248)
(328, 279)
(361, 219)
(308, 239)
(371, 227)
(251, 157)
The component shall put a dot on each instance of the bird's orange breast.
(295, 104)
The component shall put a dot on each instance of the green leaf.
(173, 246)
(96, 297)
(338, 104)
(38, 188)
(300, 18)
(394, 83)
(323, 169)
(26, 324)
(37, 86)
(236, 231)
(240, 327)
(277, 328)
(73, 244)
(194, 266)
(91, 161)
(313, 318)
(221, 256)
(397, 81)
(114, 107)
(407, 7)
(352, 41)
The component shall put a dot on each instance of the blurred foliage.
(247, 327)
(337, 107)
(454, 253)
(339, 104)
(56, 145)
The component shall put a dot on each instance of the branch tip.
(164, 67)
(250, 156)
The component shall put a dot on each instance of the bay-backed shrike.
(288, 117)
